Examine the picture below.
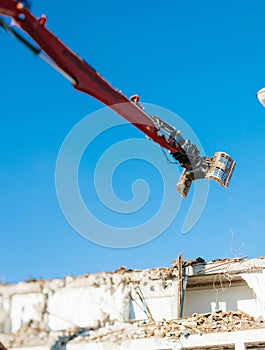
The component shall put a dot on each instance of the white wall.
(230, 298)
(26, 307)
(88, 301)
(86, 306)
(256, 281)
(161, 308)
(5, 317)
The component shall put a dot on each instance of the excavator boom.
(86, 79)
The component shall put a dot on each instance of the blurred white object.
(261, 96)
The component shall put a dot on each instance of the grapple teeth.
(184, 184)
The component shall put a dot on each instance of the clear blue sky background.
(204, 60)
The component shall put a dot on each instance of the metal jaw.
(219, 168)
(184, 184)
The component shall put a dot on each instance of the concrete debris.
(228, 260)
(29, 333)
(219, 321)
(122, 269)
(188, 262)
(117, 332)
(203, 323)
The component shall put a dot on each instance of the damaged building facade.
(191, 305)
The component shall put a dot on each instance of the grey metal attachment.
(218, 168)
(221, 168)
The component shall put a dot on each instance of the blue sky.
(204, 61)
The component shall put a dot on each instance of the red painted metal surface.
(86, 78)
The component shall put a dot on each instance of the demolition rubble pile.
(30, 334)
(196, 324)
(203, 323)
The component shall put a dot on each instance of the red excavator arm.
(86, 79)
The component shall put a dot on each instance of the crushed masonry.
(204, 323)
(172, 329)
